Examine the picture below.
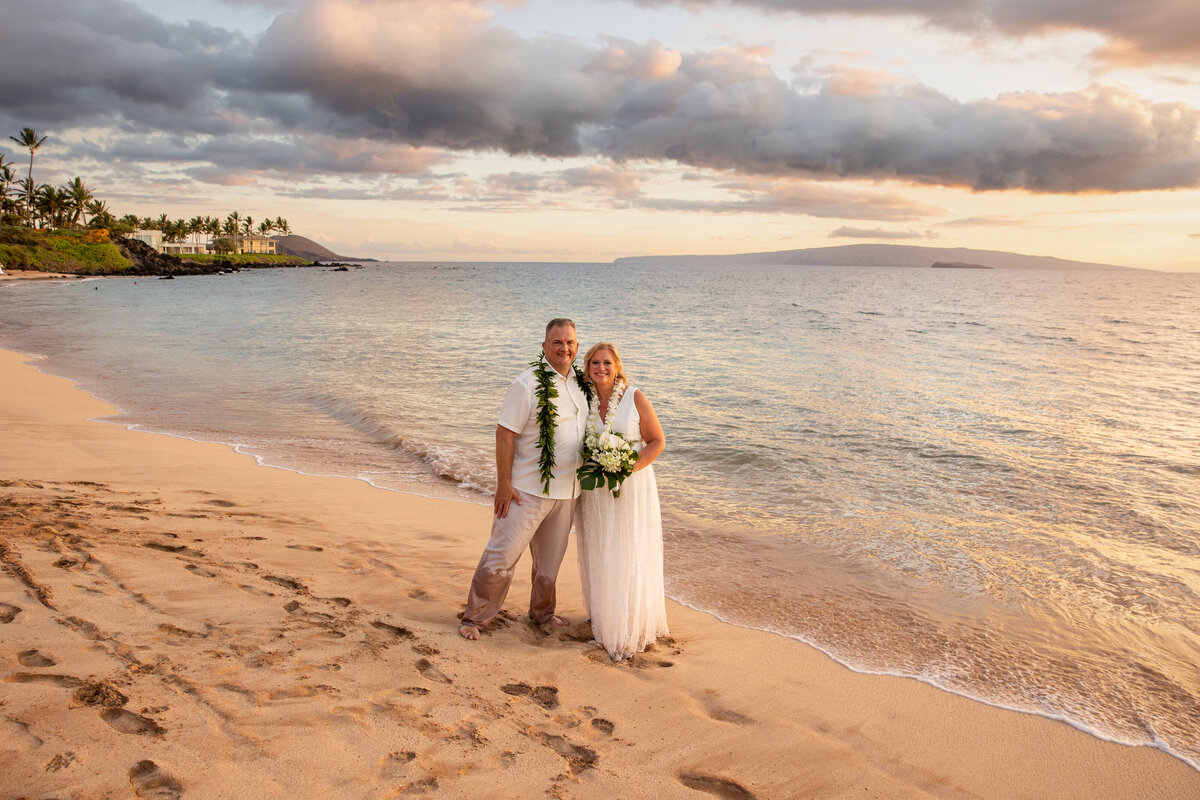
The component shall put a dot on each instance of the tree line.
(23, 202)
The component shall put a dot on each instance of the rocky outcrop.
(148, 261)
(957, 265)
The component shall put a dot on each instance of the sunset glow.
(547, 130)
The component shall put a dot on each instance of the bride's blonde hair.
(618, 370)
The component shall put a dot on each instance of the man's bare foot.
(468, 631)
(557, 622)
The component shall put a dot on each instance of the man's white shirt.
(519, 415)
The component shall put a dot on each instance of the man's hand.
(505, 495)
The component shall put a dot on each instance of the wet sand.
(177, 621)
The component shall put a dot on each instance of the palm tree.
(282, 226)
(9, 208)
(25, 191)
(29, 139)
(52, 205)
(233, 226)
(7, 177)
(195, 227)
(79, 195)
(265, 227)
(100, 215)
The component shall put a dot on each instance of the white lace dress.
(621, 553)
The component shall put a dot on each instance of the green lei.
(546, 414)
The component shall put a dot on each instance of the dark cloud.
(70, 61)
(377, 86)
(1140, 32)
(1101, 138)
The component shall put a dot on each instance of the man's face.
(560, 347)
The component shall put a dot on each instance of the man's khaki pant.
(539, 523)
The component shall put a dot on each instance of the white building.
(181, 248)
(150, 237)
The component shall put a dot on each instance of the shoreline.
(417, 489)
(36, 275)
(286, 634)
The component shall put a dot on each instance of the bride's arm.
(652, 432)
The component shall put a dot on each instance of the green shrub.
(58, 251)
(71, 254)
(15, 257)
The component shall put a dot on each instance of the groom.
(537, 453)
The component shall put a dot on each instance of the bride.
(620, 538)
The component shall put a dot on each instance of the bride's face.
(602, 369)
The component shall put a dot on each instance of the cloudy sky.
(583, 130)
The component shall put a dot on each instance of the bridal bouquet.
(608, 459)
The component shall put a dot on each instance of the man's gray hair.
(558, 322)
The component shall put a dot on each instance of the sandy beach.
(178, 621)
(34, 275)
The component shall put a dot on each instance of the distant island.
(958, 265)
(879, 255)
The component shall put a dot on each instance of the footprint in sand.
(295, 609)
(8, 613)
(732, 717)
(15, 735)
(149, 781)
(196, 569)
(716, 786)
(721, 714)
(603, 725)
(431, 672)
(287, 583)
(65, 681)
(544, 696)
(578, 758)
(60, 761)
(166, 548)
(394, 765)
(427, 785)
(642, 661)
(128, 722)
(637, 661)
(311, 548)
(32, 658)
(396, 630)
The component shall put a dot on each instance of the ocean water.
(986, 480)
